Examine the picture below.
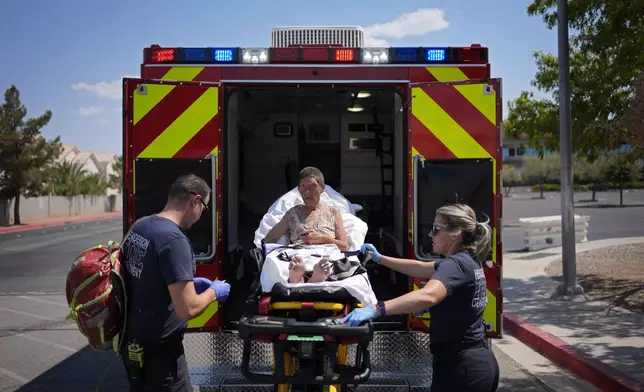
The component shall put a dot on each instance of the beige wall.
(59, 206)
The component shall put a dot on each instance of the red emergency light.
(313, 54)
(162, 55)
(345, 55)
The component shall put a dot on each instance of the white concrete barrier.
(545, 231)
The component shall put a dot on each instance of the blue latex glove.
(202, 284)
(368, 247)
(222, 289)
(360, 315)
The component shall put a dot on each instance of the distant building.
(92, 162)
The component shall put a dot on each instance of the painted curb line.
(599, 374)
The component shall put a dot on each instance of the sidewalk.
(598, 342)
(38, 223)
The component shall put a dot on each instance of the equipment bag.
(97, 296)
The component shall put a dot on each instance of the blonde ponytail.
(476, 236)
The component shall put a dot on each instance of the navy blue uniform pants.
(473, 369)
(164, 370)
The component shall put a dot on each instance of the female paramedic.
(456, 297)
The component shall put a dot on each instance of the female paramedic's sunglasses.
(435, 229)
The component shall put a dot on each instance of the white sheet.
(276, 270)
(355, 227)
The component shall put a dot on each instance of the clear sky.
(69, 55)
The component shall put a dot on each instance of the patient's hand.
(314, 238)
(296, 270)
(321, 271)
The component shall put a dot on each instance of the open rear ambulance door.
(456, 158)
(171, 129)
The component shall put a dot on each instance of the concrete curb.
(592, 370)
(15, 229)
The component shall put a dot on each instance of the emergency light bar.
(475, 54)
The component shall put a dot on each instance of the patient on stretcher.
(304, 241)
(311, 223)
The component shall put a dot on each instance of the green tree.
(605, 62)
(633, 118)
(116, 179)
(592, 172)
(93, 185)
(512, 175)
(68, 180)
(542, 169)
(25, 155)
(622, 169)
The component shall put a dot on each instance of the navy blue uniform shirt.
(459, 317)
(156, 255)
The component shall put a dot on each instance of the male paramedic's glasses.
(205, 206)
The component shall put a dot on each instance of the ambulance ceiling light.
(364, 94)
(355, 108)
(254, 55)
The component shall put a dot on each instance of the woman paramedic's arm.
(175, 262)
(448, 278)
(413, 268)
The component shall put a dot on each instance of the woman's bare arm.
(341, 239)
(414, 268)
(277, 231)
(429, 296)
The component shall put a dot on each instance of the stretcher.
(309, 342)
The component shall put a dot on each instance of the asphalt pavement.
(40, 350)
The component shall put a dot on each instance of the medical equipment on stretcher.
(309, 342)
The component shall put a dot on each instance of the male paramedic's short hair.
(314, 172)
(186, 186)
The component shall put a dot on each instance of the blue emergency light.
(474, 54)
(225, 55)
(405, 55)
(435, 54)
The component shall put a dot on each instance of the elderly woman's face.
(310, 191)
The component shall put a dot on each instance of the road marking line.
(13, 375)
(35, 339)
(39, 293)
(44, 301)
(27, 314)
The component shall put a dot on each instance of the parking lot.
(40, 350)
(607, 219)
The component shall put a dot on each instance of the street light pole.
(569, 285)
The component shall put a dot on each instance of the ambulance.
(397, 133)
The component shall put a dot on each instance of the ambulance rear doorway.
(354, 135)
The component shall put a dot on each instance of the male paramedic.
(163, 293)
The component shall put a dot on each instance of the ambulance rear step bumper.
(399, 362)
(373, 385)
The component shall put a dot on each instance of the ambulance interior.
(355, 136)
